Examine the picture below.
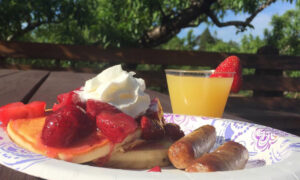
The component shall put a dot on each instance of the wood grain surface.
(20, 86)
(57, 83)
(6, 72)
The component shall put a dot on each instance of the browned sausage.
(229, 156)
(184, 151)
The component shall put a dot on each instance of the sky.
(260, 22)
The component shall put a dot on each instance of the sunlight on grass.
(292, 95)
(293, 74)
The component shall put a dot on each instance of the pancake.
(143, 156)
(132, 153)
(27, 134)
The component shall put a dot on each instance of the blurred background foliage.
(125, 23)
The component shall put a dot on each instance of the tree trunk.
(172, 23)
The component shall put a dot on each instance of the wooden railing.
(141, 56)
(162, 57)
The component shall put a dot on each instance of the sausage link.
(229, 156)
(184, 151)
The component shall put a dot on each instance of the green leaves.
(117, 23)
(285, 34)
(18, 17)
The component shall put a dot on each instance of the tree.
(204, 42)
(139, 23)
(206, 39)
(20, 18)
(175, 43)
(285, 34)
(250, 44)
(189, 42)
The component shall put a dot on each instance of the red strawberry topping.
(15, 104)
(18, 110)
(155, 169)
(66, 125)
(151, 129)
(173, 131)
(231, 64)
(69, 98)
(115, 126)
(93, 108)
(36, 109)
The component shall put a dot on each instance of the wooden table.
(31, 85)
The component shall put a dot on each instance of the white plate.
(274, 154)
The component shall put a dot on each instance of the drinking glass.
(201, 92)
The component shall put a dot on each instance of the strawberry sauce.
(81, 146)
(84, 145)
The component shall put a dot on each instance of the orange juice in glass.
(196, 93)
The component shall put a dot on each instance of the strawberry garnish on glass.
(231, 64)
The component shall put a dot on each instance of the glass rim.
(195, 72)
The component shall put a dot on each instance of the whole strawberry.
(231, 64)
(65, 126)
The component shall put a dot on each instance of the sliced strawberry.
(151, 129)
(173, 131)
(66, 96)
(12, 113)
(69, 98)
(15, 104)
(231, 64)
(66, 125)
(19, 110)
(36, 109)
(93, 108)
(63, 99)
(116, 126)
(155, 169)
(6, 116)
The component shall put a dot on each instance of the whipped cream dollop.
(118, 88)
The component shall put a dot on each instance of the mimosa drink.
(196, 93)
